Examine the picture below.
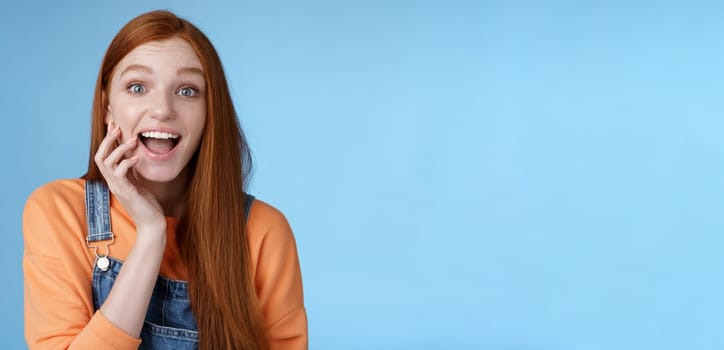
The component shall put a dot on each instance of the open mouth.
(159, 142)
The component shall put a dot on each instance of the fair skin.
(155, 117)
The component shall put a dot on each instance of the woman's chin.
(156, 174)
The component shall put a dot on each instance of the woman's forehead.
(174, 53)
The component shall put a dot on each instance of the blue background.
(459, 174)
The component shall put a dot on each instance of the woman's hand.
(140, 204)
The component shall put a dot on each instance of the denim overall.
(169, 324)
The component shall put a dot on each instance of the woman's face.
(157, 94)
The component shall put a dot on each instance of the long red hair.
(212, 233)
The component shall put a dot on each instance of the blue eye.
(136, 89)
(188, 92)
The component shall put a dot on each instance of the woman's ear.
(109, 116)
(104, 100)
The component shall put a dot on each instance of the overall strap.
(98, 217)
(249, 199)
(98, 211)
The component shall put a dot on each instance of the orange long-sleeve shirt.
(58, 266)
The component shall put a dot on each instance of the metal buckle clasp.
(102, 261)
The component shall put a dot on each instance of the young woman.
(158, 246)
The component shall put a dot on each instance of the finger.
(108, 140)
(119, 152)
(118, 181)
(122, 170)
(106, 144)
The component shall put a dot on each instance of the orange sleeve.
(57, 277)
(278, 278)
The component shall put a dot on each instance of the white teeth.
(159, 135)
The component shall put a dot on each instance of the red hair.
(212, 233)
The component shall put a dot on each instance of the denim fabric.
(97, 204)
(169, 323)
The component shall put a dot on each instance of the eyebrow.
(190, 70)
(148, 70)
(139, 67)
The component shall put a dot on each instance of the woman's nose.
(162, 106)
